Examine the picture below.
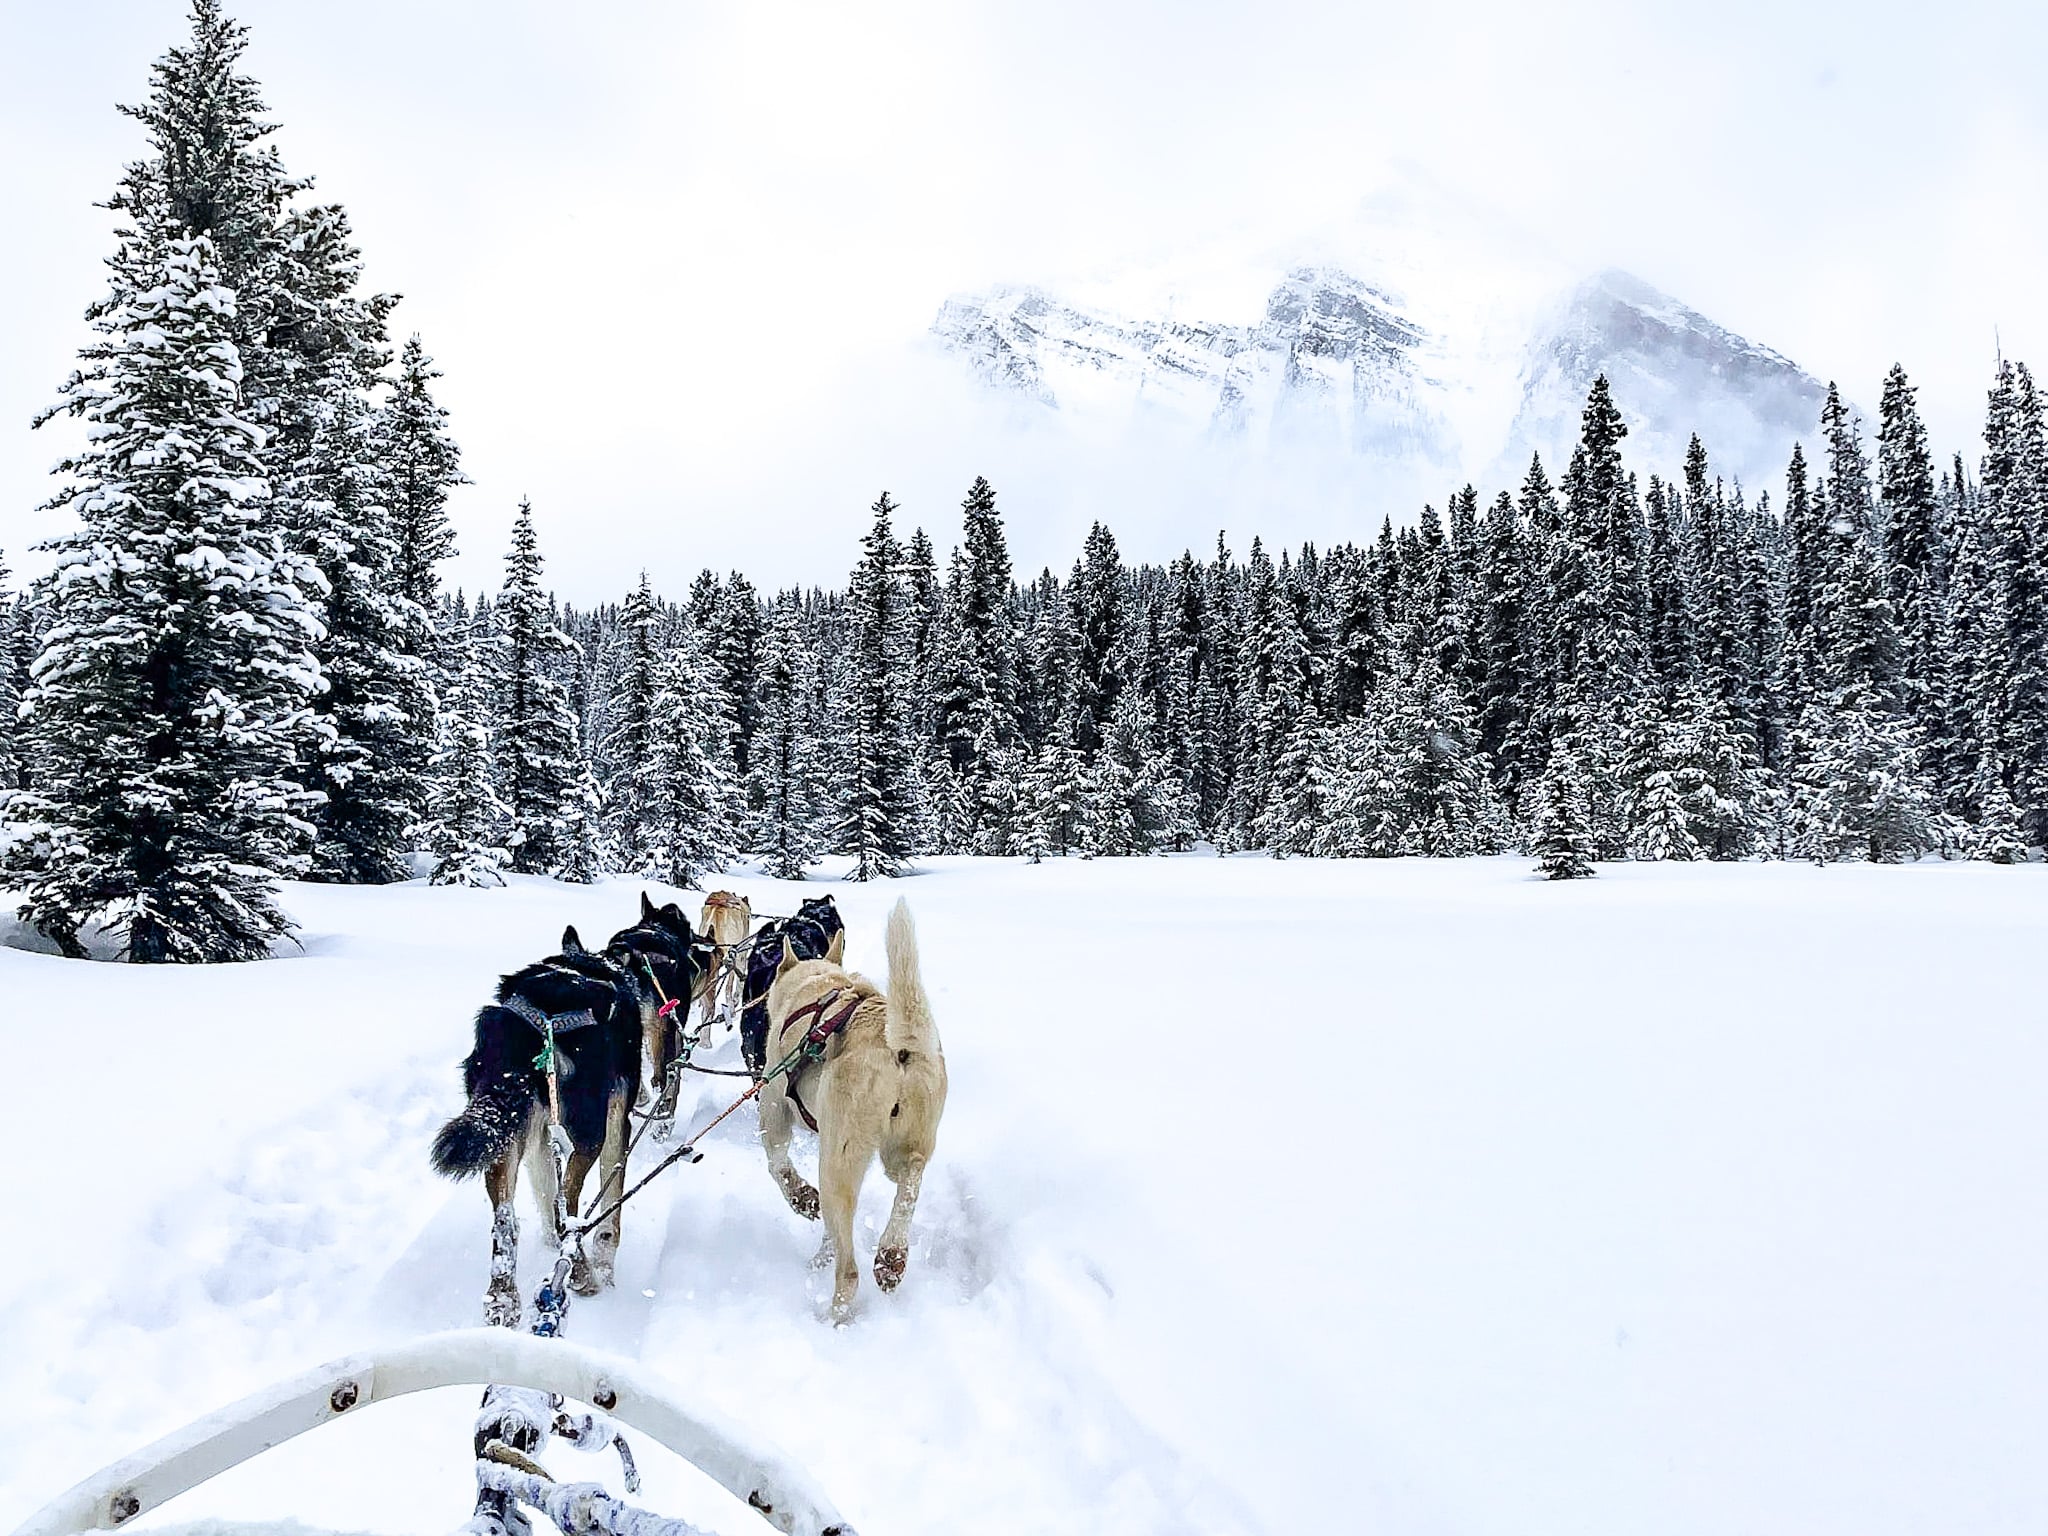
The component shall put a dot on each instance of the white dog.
(880, 1087)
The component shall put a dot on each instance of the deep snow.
(1392, 1196)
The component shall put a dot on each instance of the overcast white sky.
(666, 253)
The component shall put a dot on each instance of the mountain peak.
(1386, 375)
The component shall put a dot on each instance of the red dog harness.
(817, 1037)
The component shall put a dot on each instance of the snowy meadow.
(1393, 1195)
(1310, 1162)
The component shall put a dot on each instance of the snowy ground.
(1392, 1197)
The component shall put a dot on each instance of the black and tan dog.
(603, 1011)
(817, 932)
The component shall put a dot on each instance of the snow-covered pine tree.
(697, 809)
(10, 759)
(1602, 515)
(1216, 702)
(30, 622)
(1035, 813)
(1996, 838)
(1804, 532)
(2015, 495)
(1056, 791)
(1097, 596)
(211, 172)
(784, 760)
(1435, 619)
(1447, 785)
(1274, 689)
(1760, 710)
(1563, 844)
(1913, 542)
(538, 755)
(1502, 636)
(1131, 801)
(466, 831)
(987, 630)
(1658, 826)
(422, 464)
(378, 711)
(999, 799)
(587, 850)
(171, 696)
(975, 674)
(1540, 520)
(1298, 815)
(923, 608)
(733, 642)
(880, 815)
(628, 745)
(1672, 636)
(1858, 784)
(1857, 791)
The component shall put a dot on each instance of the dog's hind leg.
(842, 1164)
(592, 1271)
(892, 1254)
(778, 1125)
(501, 1299)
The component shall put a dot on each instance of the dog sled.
(531, 1381)
(538, 1386)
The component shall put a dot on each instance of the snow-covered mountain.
(1674, 371)
(1333, 362)
(1382, 375)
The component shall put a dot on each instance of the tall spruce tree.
(1563, 842)
(210, 171)
(1911, 519)
(172, 696)
(10, 702)
(466, 828)
(1098, 597)
(422, 465)
(696, 807)
(370, 763)
(1503, 643)
(976, 681)
(784, 761)
(880, 811)
(2015, 494)
(537, 750)
(629, 744)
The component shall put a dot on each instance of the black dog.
(600, 1009)
(817, 932)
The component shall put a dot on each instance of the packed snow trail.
(1409, 1197)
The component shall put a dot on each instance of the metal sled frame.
(759, 1476)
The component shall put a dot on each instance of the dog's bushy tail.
(502, 1095)
(909, 1026)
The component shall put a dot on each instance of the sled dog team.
(877, 1087)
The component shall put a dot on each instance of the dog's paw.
(889, 1266)
(803, 1199)
(501, 1303)
(587, 1277)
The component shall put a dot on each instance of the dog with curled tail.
(879, 1087)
